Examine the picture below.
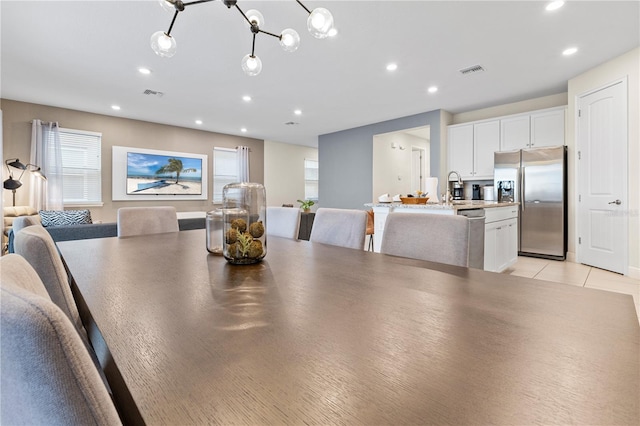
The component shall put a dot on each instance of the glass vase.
(244, 223)
(214, 231)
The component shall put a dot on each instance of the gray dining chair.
(283, 222)
(146, 220)
(433, 237)
(24, 221)
(36, 245)
(339, 227)
(46, 374)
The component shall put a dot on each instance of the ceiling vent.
(472, 69)
(153, 93)
(291, 123)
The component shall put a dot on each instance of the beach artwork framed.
(146, 174)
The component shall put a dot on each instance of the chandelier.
(319, 23)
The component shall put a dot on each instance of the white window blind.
(311, 180)
(81, 167)
(225, 170)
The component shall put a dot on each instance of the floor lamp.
(13, 184)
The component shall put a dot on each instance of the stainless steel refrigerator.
(537, 179)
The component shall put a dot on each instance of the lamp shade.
(163, 44)
(11, 184)
(251, 65)
(320, 22)
(16, 164)
(289, 40)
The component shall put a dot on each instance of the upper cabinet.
(514, 132)
(471, 148)
(533, 130)
(486, 141)
(547, 128)
(471, 145)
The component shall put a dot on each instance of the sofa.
(85, 231)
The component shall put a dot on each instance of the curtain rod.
(45, 122)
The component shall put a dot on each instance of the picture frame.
(148, 174)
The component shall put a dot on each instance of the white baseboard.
(571, 257)
(634, 272)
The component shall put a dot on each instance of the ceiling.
(84, 55)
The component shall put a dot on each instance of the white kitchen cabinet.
(460, 150)
(547, 128)
(534, 130)
(486, 141)
(514, 132)
(471, 148)
(500, 238)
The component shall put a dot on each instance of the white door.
(417, 168)
(602, 178)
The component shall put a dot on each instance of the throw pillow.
(64, 217)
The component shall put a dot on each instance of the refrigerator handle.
(521, 172)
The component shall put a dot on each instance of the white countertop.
(455, 205)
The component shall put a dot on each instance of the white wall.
(627, 65)
(284, 172)
(392, 166)
(550, 101)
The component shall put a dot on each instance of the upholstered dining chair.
(146, 220)
(24, 221)
(47, 375)
(36, 245)
(283, 222)
(339, 227)
(433, 237)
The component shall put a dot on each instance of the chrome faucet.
(457, 174)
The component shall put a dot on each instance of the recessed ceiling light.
(145, 71)
(392, 67)
(432, 89)
(555, 5)
(198, 122)
(570, 51)
(243, 130)
(115, 107)
(297, 112)
(246, 98)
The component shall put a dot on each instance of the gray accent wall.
(345, 159)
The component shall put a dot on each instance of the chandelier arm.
(243, 15)
(303, 6)
(175, 15)
(279, 37)
(253, 45)
(196, 2)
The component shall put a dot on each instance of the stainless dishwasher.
(476, 236)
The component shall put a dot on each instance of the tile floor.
(576, 274)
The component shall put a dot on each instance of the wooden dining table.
(318, 334)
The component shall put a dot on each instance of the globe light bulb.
(251, 65)
(320, 22)
(290, 40)
(167, 6)
(255, 17)
(164, 45)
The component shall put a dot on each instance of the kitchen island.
(499, 234)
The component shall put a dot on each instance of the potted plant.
(306, 205)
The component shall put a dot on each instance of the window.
(311, 180)
(81, 167)
(225, 170)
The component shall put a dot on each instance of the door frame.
(579, 172)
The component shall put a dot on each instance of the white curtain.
(243, 163)
(46, 153)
